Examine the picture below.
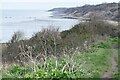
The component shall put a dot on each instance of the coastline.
(82, 19)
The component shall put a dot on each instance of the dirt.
(108, 74)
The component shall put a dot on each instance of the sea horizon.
(30, 22)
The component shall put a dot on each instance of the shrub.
(81, 65)
(101, 45)
(114, 40)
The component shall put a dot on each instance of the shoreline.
(65, 16)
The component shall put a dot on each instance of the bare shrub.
(17, 36)
(12, 48)
(50, 41)
(42, 44)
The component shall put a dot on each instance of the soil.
(108, 74)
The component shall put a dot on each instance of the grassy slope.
(90, 64)
(96, 63)
(87, 64)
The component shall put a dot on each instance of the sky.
(47, 4)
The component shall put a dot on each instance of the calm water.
(29, 22)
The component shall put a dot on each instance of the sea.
(29, 22)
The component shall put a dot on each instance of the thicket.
(44, 51)
(50, 41)
(90, 64)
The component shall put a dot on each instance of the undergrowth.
(89, 64)
(81, 65)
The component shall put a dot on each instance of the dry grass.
(115, 23)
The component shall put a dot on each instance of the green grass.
(96, 62)
(81, 65)
(89, 64)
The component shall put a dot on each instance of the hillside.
(87, 50)
(107, 10)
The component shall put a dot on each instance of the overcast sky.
(58, 0)
(47, 4)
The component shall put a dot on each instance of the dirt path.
(108, 74)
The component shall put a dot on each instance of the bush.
(101, 45)
(81, 65)
(21, 72)
(114, 40)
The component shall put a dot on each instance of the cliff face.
(107, 10)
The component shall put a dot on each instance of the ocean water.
(29, 22)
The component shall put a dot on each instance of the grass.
(116, 73)
(81, 65)
(96, 63)
(92, 63)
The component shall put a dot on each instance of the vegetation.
(107, 10)
(91, 64)
(84, 51)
